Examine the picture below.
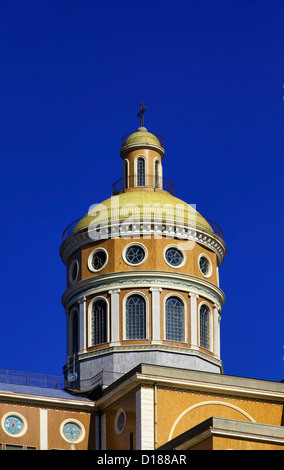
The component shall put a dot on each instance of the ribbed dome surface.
(152, 205)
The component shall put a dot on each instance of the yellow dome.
(145, 205)
(142, 136)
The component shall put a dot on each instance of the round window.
(14, 424)
(73, 271)
(97, 259)
(72, 431)
(204, 265)
(174, 257)
(135, 254)
(120, 421)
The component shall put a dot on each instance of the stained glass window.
(13, 425)
(174, 256)
(99, 322)
(71, 431)
(204, 327)
(174, 319)
(135, 317)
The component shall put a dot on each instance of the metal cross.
(141, 114)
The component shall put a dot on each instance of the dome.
(144, 204)
(142, 136)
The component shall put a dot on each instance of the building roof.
(42, 394)
(142, 136)
(145, 204)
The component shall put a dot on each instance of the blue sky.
(72, 76)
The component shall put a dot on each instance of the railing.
(103, 379)
(148, 181)
(159, 137)
(31, 379)
(69, 229)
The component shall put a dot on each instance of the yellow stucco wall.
(180, 410)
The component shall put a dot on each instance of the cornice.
(148, 279)
(46, 400)
(171, 230)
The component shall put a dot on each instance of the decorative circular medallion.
(174, 257)
(134, 254)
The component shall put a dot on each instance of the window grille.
(135, 317)
(174, 319)
(140, 172)
(204, 327)
(156, 182)
(99, 323)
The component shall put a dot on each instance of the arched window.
(140, 172)
(174, 321)
(99, 322)
(156, 175)
(125, 174)
(204, 315)
(75, 332)
(135, 317)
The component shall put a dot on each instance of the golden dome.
(142, 136)
(145, 205)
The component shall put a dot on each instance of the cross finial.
(141, 114)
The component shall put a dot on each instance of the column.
(43, 429)
(145, 419)
(114, 316)
(156, 314)
(193, 320)
(216, 323)
(82, 323)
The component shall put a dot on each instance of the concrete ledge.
(230, 428)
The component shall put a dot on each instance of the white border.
(134, 244)
(124, 300)
(177, 247)
(180, 297)
(90, 266)
(71, 280)
(209, 262)
(121, 410)
(20, 417)
(79, 424)
(90, 312)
